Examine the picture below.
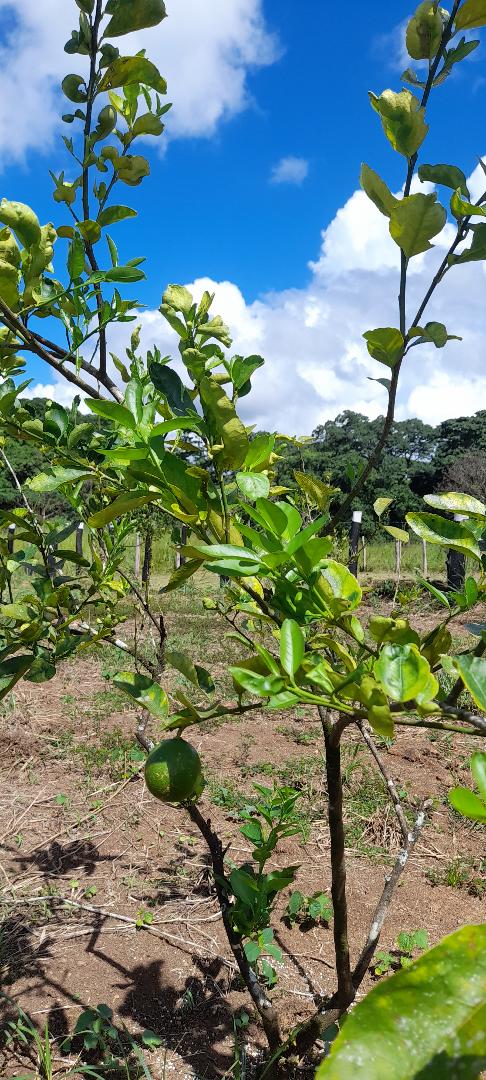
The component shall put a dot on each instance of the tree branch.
(390, 783)
(262, 1003)
(345, 993)
(392, 393)
(386, 898)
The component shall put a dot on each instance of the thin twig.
(104, 913)
(392, 393)
(390, 783)
(386, 897)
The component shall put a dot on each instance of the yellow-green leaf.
(127, 70)
(144, 691)
(129, 15)
(122, 505)
(403, 120)
(471, 14)
(224, 423)
(22, 221)
(380, 505)
(398, 534)
(377, 190)
(414, 221)
(456, 502)
(385, 344)
(402, 671)
(424, 31)
(440, 530)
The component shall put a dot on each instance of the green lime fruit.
(173, 771)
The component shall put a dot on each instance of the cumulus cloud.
(317, 363)
(290, 170)
(204, 51)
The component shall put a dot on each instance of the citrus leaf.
(471, 14)
(253, 485)
(472, 670)
(456, 503)
(130, 70)
(398, 534)
(292, 646)
(58, 476)
(129, 15)
(225, 425)
(428, 1020)
(386, 344)
(168, 383)
(449, 176)
(124, 504)
(115, 213)
(414, 221)
(467, 803)
(439, 530)
(478, 769)
(22, 221)
(380, 505)
(377, 190)
(402, 671)
(111, 410)
(403, 121)
(144, 691)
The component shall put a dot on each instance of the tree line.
(418, 459)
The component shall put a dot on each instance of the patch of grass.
(461, 873)
(227, 795)
(364, 804)
(307, 737)
(106, 702)
(118, 754)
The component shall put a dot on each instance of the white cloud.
(290, 170)
(204, 50)
(60, 391)
(317, 363)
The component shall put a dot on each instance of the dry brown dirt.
(87, 830)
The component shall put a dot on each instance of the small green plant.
(461, 873)
(408, 943)
(113, 1048)
(21, 1034)
(308, 910)
(271, 818)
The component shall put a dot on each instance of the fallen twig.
(390, 783)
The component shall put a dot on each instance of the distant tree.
(459, 436)
(468, 474)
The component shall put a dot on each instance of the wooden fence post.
(11, 539)
(137, 555)
(354, 541)
(456, 564)
(425, 567)
(398, 557)
(363, 556)
(79, 538)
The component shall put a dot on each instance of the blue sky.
(300, 75)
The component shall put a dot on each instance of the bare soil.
(80, 825)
